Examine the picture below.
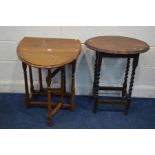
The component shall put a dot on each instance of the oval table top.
(117, 45)
(48, 52)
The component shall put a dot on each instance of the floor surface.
(14, 115)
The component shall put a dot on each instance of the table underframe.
(126, 94)
(53, 108)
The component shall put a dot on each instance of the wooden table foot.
(49, 121)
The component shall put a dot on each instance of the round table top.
(117, 45)
(48, 52)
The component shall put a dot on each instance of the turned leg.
(62, 83)
(72, 98)
(27, 100)
(40, 79)
(65, 80)
(98, 63)
(49, 100)
(124, 91)
(31, 79)
(134, 66)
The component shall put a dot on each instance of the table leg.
(62, 83)
(65, 79)
(27, 100)
(72, 97)
(134, 66)
(48, 80)
(124, 91)
(31, 79)
(40, 79)
(98, 63)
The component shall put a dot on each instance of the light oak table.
(51, 54)
(116, 47)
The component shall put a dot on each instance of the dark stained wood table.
(51, 54)
(117, 47)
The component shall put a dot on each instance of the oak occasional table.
(116, 47)
(50, 54)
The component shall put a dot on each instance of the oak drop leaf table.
(116, 47)
(52, 55)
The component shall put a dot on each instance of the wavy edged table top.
(48, 52)
(117, 45)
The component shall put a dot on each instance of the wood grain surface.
(48, 52)
(117, 45)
